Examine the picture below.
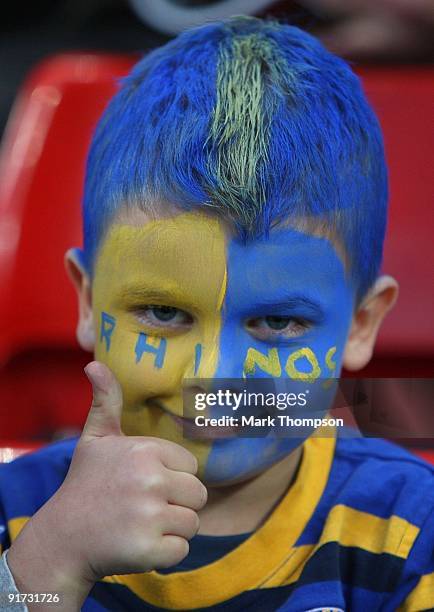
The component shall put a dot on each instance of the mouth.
(191, 430)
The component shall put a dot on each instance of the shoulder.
(27, 482)
(359, 449)
(382, 478)
(383, 512)
(371, 534)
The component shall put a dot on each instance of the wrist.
(39, 562)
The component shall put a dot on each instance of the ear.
(366, 322)
(81, 281)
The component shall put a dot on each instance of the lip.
(191, 431)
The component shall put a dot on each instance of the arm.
(78, 536)
(38, 567)
(419, 572)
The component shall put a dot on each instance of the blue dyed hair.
(255, 119)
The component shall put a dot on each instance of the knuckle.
(151, 446)
(136, 483)
(155, 484)
(117, 406)
(152, 513)
(142, 448)
(142, 457)
(97, 401)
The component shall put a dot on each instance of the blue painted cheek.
(237, 458)
(288, 263)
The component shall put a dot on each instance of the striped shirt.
(355, 532)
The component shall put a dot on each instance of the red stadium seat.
(42, 387)
(404, 101)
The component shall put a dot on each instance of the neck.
(245, 506)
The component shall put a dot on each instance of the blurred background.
(59, 63)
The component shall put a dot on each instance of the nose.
(233, 346)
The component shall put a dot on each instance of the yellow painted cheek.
(146, 366)
(185, 257)
(142, 381)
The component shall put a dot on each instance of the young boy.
(234, 215)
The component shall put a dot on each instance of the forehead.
(184, 254)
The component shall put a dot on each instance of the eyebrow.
(292, 303)
(144, 293)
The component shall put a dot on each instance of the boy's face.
(181, 297)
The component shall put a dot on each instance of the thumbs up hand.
(104, 417)
(128, 504)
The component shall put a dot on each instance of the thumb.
(104, 416)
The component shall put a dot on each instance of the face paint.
(219, 291)
(178, 262)
(108, 324)
(289, 273)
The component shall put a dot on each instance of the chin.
(238, 460)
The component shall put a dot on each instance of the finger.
(104, 416)
(180, 521)
(177, 458)
(171, 551)
(186, 490)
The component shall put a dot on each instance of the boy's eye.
(164, 313)
(277, 322)
(277, 326)
(163, 316)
